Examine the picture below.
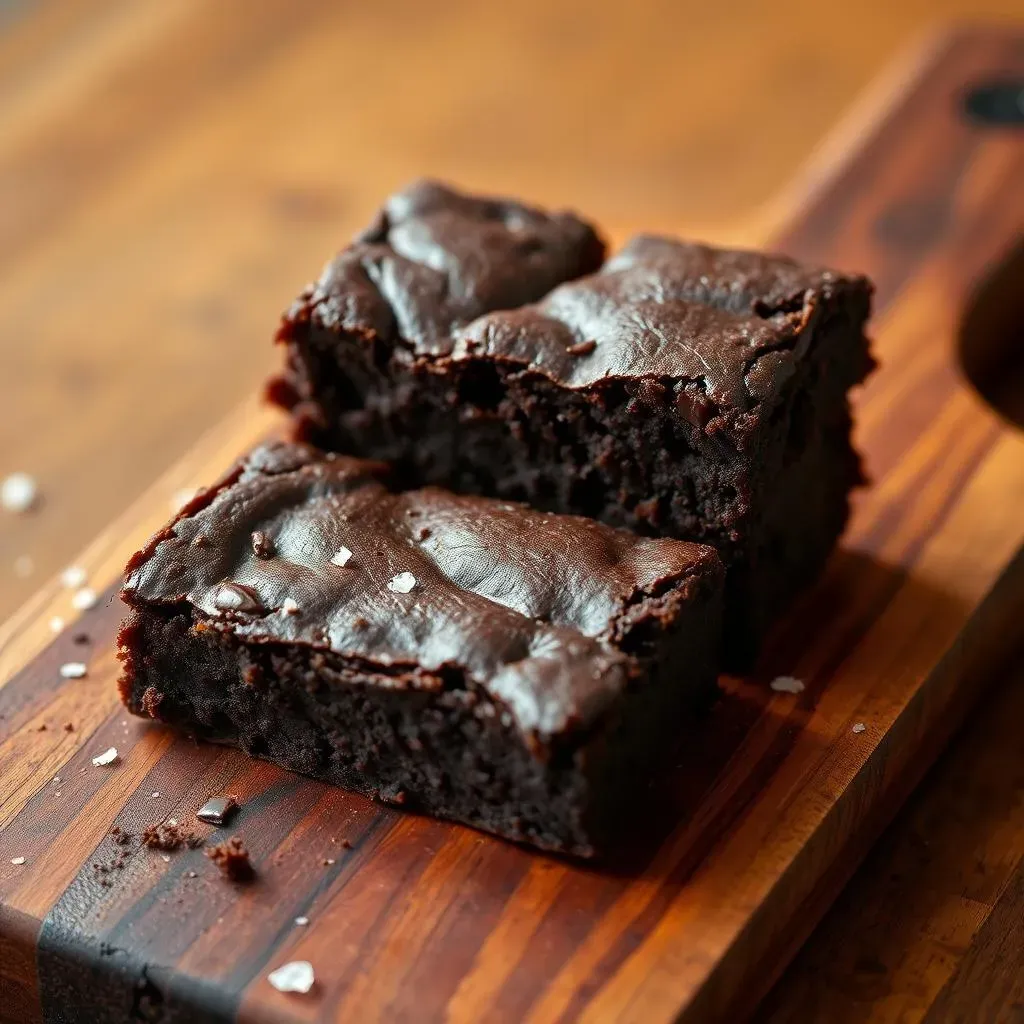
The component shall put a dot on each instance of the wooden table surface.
(170, 173)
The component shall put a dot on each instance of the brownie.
(478, 660)
(432, 260)
(681, 390)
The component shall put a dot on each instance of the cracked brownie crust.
(479, 660)
(680, 390)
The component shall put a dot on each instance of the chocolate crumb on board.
(69, 726)
(121, 836)
(218, 810)
(169, 836)
(232, 858)
(347, 844)
(82, 638)
(151, 698)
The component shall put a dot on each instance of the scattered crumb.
(192, 874)
(300, 921)
(342, 557)
(109, 756)
(423, 533)
(582, 348)
(218, 810)
(56, 624)
(73, 670)
(232, 858)
(84, 599)
(19, 492)
(69, 726)
(296, 976)
(56, 780)
(165, 858)
(859, 727)
(151, 698)
(169, 836)
(787, 684)
(82, 638)
(346, 844)
(17, 861)
(360, 622)
(289, 606)
(24, 566)
(328, 861)
(73, 577)
(154, 796)
(262, 545)
(121, 836)
(402, 583)
(41, 728)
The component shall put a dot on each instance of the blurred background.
(173, 171)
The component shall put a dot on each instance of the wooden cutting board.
(771, 806)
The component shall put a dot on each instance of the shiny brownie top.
(419, 588)
(442, 276)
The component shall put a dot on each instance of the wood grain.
(930, 928)
(420, 920)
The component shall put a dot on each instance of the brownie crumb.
(69, 726)
(347, 844)
(232, 858)
(82, 638)
(151, 698)
(103, 869)
(169, 836)
(121, 836)
(41, 727)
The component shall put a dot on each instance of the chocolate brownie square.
(478, 660)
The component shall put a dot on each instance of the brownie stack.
(521, 650)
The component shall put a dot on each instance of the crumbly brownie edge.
(452, 752)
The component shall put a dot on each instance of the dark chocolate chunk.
(218, 810)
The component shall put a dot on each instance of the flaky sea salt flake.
(787, 684)
(84, 599)
(73, 577)
(181, 497)
(300, 921)
(73, 670)
(342, 557)
(18, 492)
(296, 976)
(402, 583)
(859, 728)
(108, 756)
(17, 861)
